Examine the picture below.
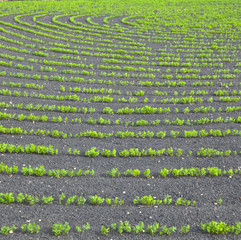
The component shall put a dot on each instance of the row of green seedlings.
(165, 62)
(135, 152)
(55, 133)
(8, 198)
(102, 121)
(41, 171)
(174, 134)
(11, 57)
(28, 148)
(178, 122)
(127, 134)
(200, 92)
(209, 227)
(46, 107)
(152, 201)
(175, 60)
(33, 118)
(59, 119)
(225, 93)
(74, 97)
(107, 110)
(33, 228)
(102, 74)
(69, 64)
(201, 121)
(132, 152)
(137, 93)
(67, 57)
(176, 173)
(114, 172)
(153, 110)
(168, 70)
(19, 85)
(18, 66)
(125, 227)
(127, 68)
(101, 90)
(7, 92)
(142, 93)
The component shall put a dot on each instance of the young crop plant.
(81, 200)
(5, 230)
(167, 231)
(92, 153)
(61, 198)
(134, 173)
(152, 228)
(47, 200)
(104, 231)
(113, 173)
(164, 173)
(71, 200)
(184, 229)
(28, 199)
(161, 134)
(108, 153)
(124, 227)
(117, 202)
(8, 170)
(174, 134)
(219, 201)
(147, 173)
(38, 171)
(95, 200)
(7, 198)
(30, 228)
(147, 200)
(139, 228)
(107, 110)
(180, 201)
(84, 228)
(60, 229)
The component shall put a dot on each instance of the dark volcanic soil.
(205, 191)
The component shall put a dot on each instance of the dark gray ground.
(205, 191)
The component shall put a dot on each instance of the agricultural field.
(120, 119)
